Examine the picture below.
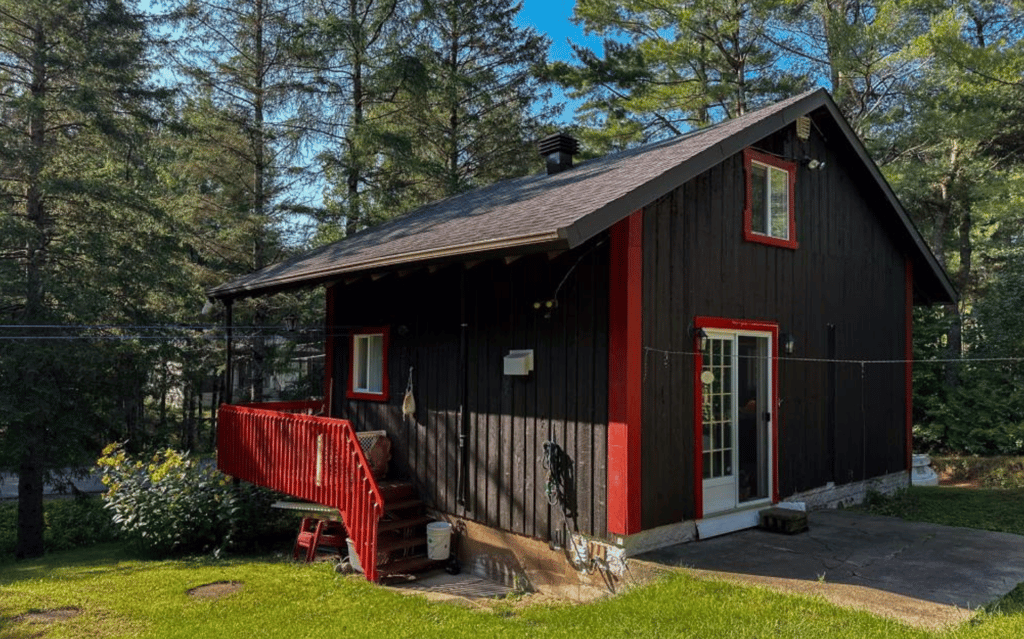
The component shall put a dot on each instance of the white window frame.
(368, 375)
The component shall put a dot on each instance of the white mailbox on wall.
(519, 362)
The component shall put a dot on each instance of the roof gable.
(564, 210)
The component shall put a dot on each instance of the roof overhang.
(724, 140)
(243, 287)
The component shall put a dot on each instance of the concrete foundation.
(851, 494)
(531, 565)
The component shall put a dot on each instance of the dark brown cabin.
(690, 331)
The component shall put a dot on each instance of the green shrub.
(258, 528)
(77, 523)
(992, 471)
(171, 504)
(70, 523)
(8, 529)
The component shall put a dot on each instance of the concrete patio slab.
(922, 574)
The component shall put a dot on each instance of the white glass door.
(736, 420)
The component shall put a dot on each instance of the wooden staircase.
(323, 461)
(402, 532)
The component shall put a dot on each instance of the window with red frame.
(769, 216)
(368, 375)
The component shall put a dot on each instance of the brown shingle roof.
(540, 211)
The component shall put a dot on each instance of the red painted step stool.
(314, 533)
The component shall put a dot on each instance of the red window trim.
(749, 156)
(351, 393)
(726, 324)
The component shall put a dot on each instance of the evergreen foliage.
(75, 209)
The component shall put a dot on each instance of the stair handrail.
(317, 459)
(306, 406)
(366, 505)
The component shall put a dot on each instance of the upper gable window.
(769, 216)
(368, 377)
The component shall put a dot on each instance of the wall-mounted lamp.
(702, 338)
(813, 164)
(788, 343)
(291, 321)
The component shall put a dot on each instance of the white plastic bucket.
(353, 556)
(439, 540)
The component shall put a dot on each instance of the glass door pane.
(718, 406)
(754, 417)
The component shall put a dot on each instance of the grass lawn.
(118, 596)
(108, 593)
(987, 509)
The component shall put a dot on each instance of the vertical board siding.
(847, 271)
(510, 418)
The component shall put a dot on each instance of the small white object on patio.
(922, 473)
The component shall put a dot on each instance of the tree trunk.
(963, 281)
(30, 503)
(260, 202)
(31, 467)
(353, 218)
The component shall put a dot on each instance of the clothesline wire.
(823, 360)
(219, 332)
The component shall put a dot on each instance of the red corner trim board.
(625, 344)
(908, 357)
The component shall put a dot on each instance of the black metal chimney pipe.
(558, 149)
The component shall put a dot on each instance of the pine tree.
(472, 109)
(671, 65)
(238, 56)
(353, 55)
(77, 232)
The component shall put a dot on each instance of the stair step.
(402, 505)
(399, 524)
(394, 490)
(407, 565)
(388, 545)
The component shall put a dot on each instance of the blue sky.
(551, 18)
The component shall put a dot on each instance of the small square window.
(368, 376)
(769, 212)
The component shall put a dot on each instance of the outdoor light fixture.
(701, 337)
(813, 164)
(290, 322)
(788, 343)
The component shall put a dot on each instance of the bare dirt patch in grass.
(215, 590)
(49, 616)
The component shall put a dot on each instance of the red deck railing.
(304, 406)
(317, 459)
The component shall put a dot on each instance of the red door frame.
(725, 324)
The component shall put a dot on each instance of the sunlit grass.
(120, 596)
